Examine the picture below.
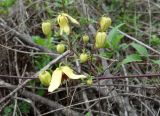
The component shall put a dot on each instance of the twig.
(126, 100)
(4, 105)
(100, 78)
(129, 111)
(95, 111)
(18, 73)
(147, 107)
(95, 85)
(84, 94)
(130, 76)
(97, 99)
(26, 52)
(87, 104)
(141, 43)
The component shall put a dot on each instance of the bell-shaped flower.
(100, 39)
(64, 24)
(58, 74)
(104, 23)
(63, 21)
(47, 28)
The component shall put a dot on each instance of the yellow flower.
(47, 28)
(64, 23)
(57, 77)
(45, 78)
(100, 39)
(104, 23)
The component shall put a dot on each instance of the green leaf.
(3, 11)
(106, 54)
(140, 49)
(155, 40)
(88, 114)
(41, 61)
(24, 107)
(40, 92)
(7, 3)
(8, 110)
(115, 37)
(132, 58)
(42, 42)
(123, 46)
(38, 40)
(156, 62)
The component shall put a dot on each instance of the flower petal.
(65, 28)
(71, 19)
(69, 72)
(56, 80)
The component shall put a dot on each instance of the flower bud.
(60, 48)
(100, 39)
(45, 78)
(104, 23)
(83, 58)
(47, 28)
(89, 81)
(85, 39)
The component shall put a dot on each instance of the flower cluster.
(58, 74)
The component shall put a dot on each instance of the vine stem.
(100, 78)
(129, 76)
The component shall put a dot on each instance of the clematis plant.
(58, 74)
(63, 21)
